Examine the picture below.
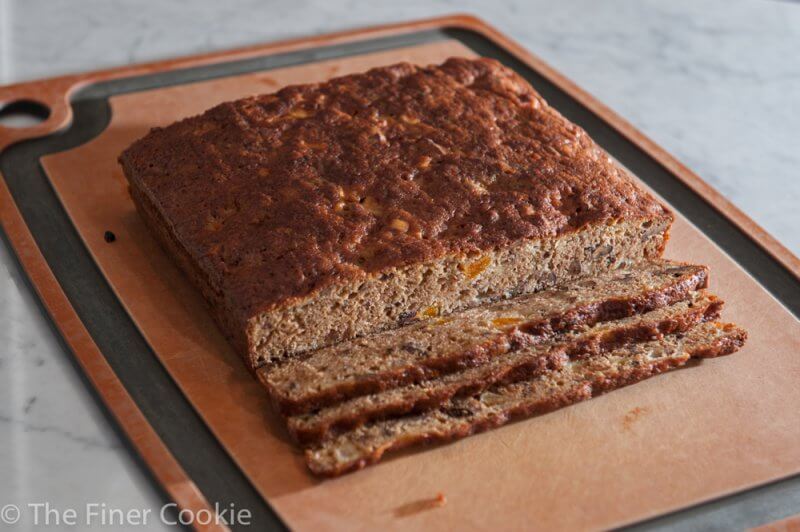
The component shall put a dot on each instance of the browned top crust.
(277, 196)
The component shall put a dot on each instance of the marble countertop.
(716, 83)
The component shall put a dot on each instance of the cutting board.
(665, 444)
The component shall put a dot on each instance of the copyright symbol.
(9, 514)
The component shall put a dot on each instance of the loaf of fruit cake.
(329, 211)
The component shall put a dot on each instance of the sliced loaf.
(516, 364)
(575, 381)
(329, 211)
(425, 350)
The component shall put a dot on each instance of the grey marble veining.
(716, 83)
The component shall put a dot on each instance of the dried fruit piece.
(430, 312)
(474, 269)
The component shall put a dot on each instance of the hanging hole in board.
(23, 113)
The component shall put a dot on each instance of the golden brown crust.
(275, 197)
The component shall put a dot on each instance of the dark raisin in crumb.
(411, 348)
(109, 236)
(456, 412)
(406, 317)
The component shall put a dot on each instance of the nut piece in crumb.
(372, 206)
(399, 224)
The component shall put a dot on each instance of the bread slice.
(523, 363)
(325, 212)
(424, 350)
(576, 381)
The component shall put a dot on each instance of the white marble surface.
(55, 444)
(717, 83)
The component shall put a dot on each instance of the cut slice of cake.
(424, 350)
(325, 212)
(576, 380)
(516, 364)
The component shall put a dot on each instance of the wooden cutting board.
(670, 442)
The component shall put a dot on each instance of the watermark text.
(44, 514)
